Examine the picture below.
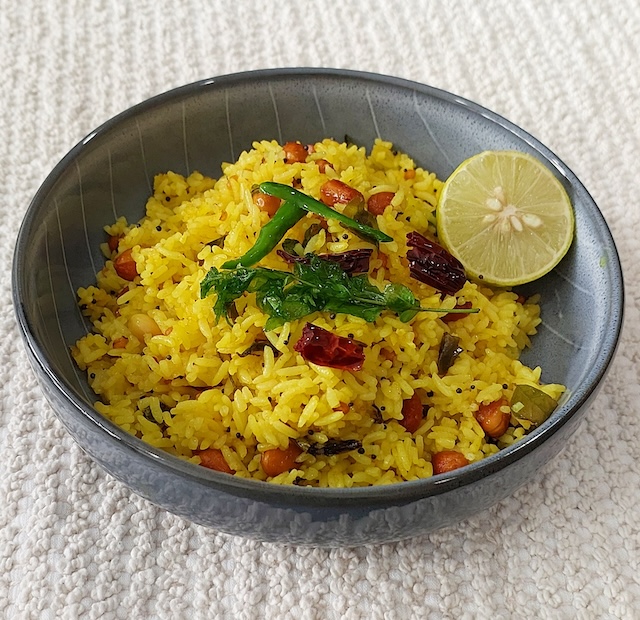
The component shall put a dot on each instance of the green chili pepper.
(287, 216)
(308, 203)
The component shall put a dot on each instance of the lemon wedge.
(505, 217)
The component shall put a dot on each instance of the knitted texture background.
(75, 543)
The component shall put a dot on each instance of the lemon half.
(505, 217)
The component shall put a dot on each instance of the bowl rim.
(315, 496)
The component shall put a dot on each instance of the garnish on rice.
(431, 264)
(531, 404)
(329, 282)
(295, 206)
(351, 262)
(315, 285)
(311, 205)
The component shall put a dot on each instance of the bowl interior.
(200, 126)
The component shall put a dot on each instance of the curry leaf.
(227, 285)
(448, 352)
(530, 403)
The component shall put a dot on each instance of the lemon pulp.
(505, 217)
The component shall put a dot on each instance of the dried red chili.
(454, 316)
(351, 261)
(321, 347)
(431, 264)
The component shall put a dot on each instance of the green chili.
(287, 216)
(308, 203)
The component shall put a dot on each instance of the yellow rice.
(188, 389)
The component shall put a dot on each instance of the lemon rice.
(192, 384)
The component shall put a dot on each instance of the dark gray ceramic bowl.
(199, 126)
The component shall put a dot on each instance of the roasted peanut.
(294, 152)
(125, 266)
(265, 202)
(142, 324)
(493, 420)
(447, 460)
(377, 203)
(113, 242)
(212, 458)
(322, 165)
(336, 192)
(277, 461)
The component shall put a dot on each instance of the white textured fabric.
(74, 543)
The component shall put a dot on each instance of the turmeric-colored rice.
(184, 387)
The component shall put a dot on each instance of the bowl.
(202, 125)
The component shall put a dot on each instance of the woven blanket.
(75, 543)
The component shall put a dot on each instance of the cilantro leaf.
(314, 285)
(228, 285)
